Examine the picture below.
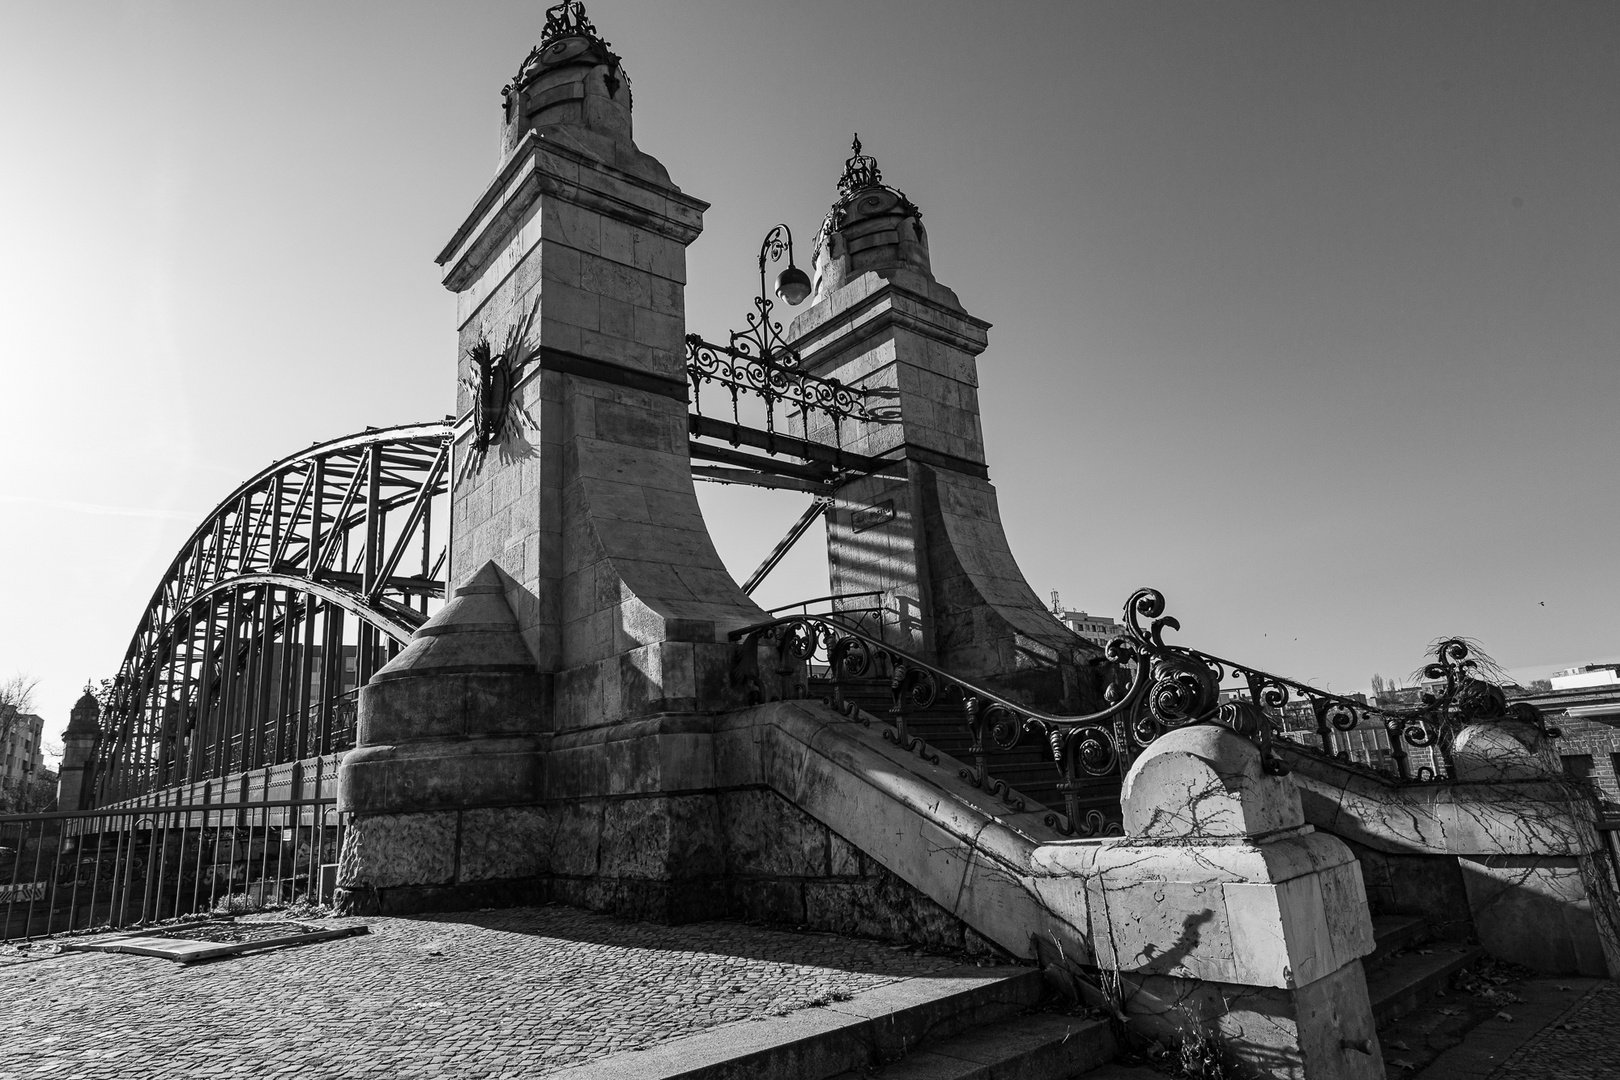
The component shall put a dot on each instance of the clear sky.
(1305, 314)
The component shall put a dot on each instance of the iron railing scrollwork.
(1460, 696)
(1154, 687)
(738, 369)
(1161, 690)
(758, 362)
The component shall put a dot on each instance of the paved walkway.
(1582, 1043)
(520, 992)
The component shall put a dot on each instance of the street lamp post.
(763, 337)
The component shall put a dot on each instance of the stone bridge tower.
(926, 533)
(542, 707)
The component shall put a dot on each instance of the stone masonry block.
(387, 850)
(570, 225)
(661, 838)
(504, 842)
(766, 836)
(576, 837)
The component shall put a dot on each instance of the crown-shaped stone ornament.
(862, 194)
(565, 23)
(567, 20)
(860, 172)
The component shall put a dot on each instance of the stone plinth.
(1221, 907)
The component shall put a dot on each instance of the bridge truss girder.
(334, 554)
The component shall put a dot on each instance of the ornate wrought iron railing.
(861, 611)
(1153, 687)
(739, 370)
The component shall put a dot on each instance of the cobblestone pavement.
(1582, 1044)
(482, 994)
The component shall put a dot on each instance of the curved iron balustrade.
(287, 598)
(1156, 687)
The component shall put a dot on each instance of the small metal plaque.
(869, 517)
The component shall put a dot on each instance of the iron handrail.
(823, 599)
(1153, 687)
(167, 808)
(1079, 745)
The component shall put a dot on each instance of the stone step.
(1041, 1046)
(865, 1032)
(1402, 983)
(1391, 933)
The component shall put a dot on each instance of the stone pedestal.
(1221, 908)
(927, 533)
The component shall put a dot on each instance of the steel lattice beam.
(277, 608)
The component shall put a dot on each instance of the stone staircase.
(1408, 969)
(971, 1028)
(1027, 768)
(1040, 1046)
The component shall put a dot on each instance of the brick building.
(1589, 718)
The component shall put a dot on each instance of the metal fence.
(111, 868)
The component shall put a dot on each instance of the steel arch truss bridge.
(285, 600)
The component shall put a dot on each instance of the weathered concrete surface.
(1539, 888)
(1230, 911)
(1536, 910)
(1508, 749)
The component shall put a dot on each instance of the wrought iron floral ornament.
(494, 376)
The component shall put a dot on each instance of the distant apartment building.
(1365, 744)
(1098, 628)
(1588, 716)
(1591, 675)
(21, 735)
